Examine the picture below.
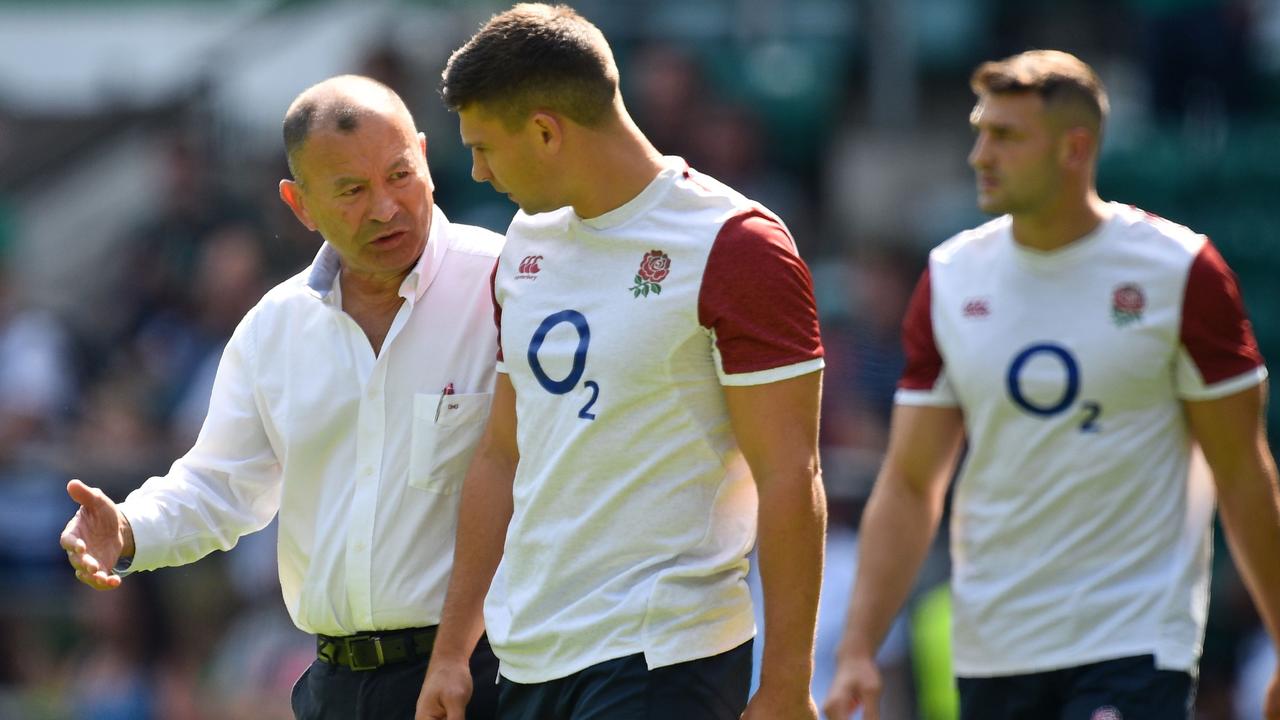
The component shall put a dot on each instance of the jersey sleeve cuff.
(1227, 387)
(764, 377)
(923, 398)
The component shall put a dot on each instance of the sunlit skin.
(550, 161)
(510, 160)
(1027, 167)
(368, 192)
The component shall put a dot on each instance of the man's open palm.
(95, 538)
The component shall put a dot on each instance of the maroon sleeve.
(497, 309)
(1215, 329)
(757, 296)
(924, 362)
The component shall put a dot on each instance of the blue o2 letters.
(1069, 394)
(570, 381)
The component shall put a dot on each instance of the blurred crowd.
(112, 384)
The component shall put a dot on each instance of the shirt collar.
(322, 277)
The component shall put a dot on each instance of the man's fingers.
(839, 708)
(80, 492)
(88, 563)
(455, 705)
(91, 499)
(100, 580)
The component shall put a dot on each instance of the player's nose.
(979, 155)
(479, 168)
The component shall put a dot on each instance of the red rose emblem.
(1128, 299)
(655, 266)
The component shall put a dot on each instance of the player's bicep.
(1231, 431)
(924, 443)
(498, 444)
(776, 425)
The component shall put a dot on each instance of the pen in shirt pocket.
(447, 391)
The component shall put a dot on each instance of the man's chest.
(626, 311)
(1052, 343)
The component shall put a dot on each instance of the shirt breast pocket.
(446, 430)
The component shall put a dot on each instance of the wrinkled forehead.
(375, 143)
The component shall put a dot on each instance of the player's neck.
(616, 164)
(1059, 224)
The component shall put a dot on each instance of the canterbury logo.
(529, 265)
(977, 308)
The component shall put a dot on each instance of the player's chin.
(992, 205)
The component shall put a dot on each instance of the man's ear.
(550, 131)
(291, 194)
(1078, 148)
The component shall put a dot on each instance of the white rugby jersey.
(634, 507)
(1079, 532)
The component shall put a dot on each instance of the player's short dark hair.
(1063, 81)
(534, 57)
(333, 103)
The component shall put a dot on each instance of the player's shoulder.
(1155, 234)
(727, 213)
(972, 245)
(473, 240)
(524, 225)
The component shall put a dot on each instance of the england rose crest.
(654, 268)
(1127, 304)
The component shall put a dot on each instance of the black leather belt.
(369, 651)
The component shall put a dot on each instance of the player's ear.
(549, 130)
(1077, 147)
(291, 194)
(422, 140)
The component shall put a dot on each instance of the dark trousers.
(1129, 688)
(713, 688)
(335, 692)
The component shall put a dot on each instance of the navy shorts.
(1129, 688)
(713, 688)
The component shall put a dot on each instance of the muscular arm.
(1232, 433)
(484, 514)
(901, 519)
(776, 425)
(898, 526)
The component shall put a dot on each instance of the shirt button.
(359, 547)
(367, 471)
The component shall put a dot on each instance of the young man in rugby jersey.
(659, 375)
(1084, 349)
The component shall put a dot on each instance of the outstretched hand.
(96, 537)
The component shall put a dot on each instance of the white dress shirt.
(361, 455)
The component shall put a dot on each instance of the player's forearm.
(897, 529)
(484, 513)
(1250, 510)
(792, 529)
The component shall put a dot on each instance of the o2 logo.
(570, 381)
(1013, 383)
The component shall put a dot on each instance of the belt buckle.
(379, 658)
